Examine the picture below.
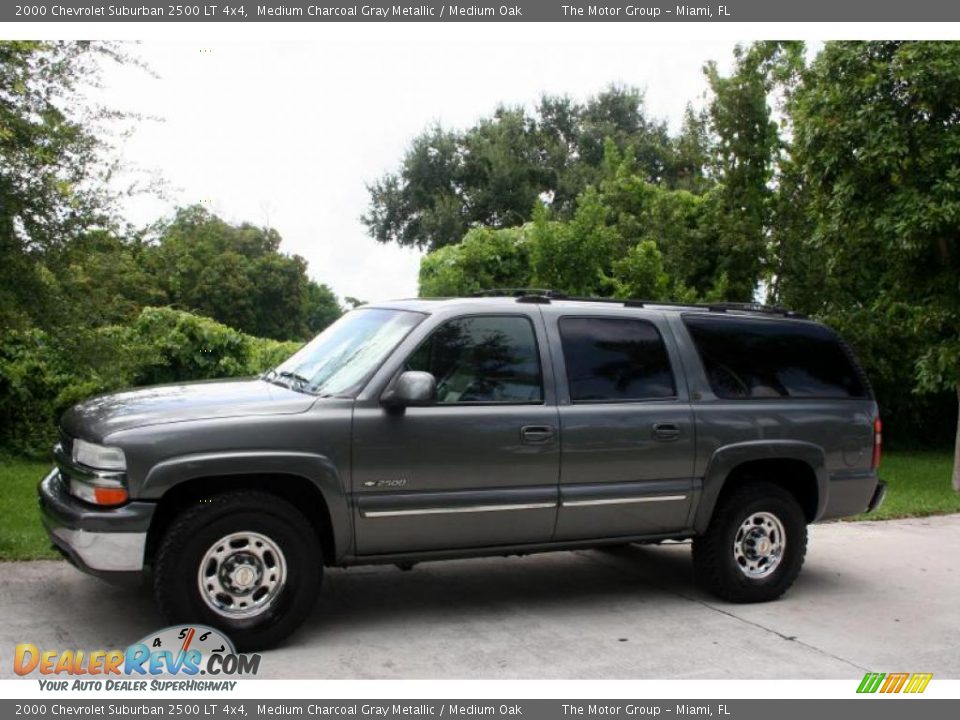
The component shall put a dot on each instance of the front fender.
(729, 457)
(318, 469)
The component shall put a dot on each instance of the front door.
(478, 469)
(627, 429)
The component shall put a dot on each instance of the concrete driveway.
(881, 596)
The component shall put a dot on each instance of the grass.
(918, 485)
(21, 535)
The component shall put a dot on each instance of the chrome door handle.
(536, 434)
(666, 431)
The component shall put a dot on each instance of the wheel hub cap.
(759, 544)
(242, 574)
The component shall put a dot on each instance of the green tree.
(690, 162)
(575, 256)
(105, 279)
(55, 155)
(877, 129)
(747, 148)
(682, 225)
(493, 173)
(320, 307)
(485, 259)
(237, 275)
(629, 238)
(640, 273)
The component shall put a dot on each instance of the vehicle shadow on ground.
(574, 581)
(642, 579)
(645, 581)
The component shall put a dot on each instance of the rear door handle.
(536, 434)
(666, 431)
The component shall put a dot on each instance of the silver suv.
(445, 428)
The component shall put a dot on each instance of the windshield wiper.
(299, 382)
(303, 384)
(270, 377)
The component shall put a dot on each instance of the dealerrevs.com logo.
(185, 651)
(894, 682)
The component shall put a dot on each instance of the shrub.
(266, 353)
(177, 346)
(42, 375)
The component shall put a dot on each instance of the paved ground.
(873, 596)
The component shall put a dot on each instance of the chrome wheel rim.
(242, 574)
(759, 544)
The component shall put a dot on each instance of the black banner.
(516, 11)
(325, 709)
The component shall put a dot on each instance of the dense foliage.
(832, 188)
(493, 173)
(877, 150)
(78, 290)
(630, 238)
(40, 378)
(52, 167)
(237, 275)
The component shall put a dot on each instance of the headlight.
(99, 457)
(98, 476)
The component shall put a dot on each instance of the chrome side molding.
(519, 506)
(623, 500)
(463, 509)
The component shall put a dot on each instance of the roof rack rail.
(545, 295)
(519, 293)
(757, 308)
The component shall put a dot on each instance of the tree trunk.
(956, 449)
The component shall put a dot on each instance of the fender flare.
(317, 469)
(729, 457)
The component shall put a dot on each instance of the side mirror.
(412, 389)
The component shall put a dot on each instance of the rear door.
(626, 426)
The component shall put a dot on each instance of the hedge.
(42, 375)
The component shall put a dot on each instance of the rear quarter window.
(746, 358)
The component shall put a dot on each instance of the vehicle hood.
(100, 416)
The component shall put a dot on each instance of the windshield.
(341, 358)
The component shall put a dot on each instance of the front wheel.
(247, 562)
(754, 546)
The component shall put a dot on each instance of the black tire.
(198, 528)
(717, 568)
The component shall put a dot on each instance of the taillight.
(877, 443)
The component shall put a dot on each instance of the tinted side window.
(482, 359)
(611, 359)
(747, 358)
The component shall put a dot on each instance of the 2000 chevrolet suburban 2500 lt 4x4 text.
(427, 429)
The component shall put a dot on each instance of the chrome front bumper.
(108, 542)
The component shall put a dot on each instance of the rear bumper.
(853, 493)
(879, 495)
(107, 542)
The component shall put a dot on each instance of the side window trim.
(538, 355)
(565, 379)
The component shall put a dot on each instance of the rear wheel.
(247, 562)
(755, 544)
